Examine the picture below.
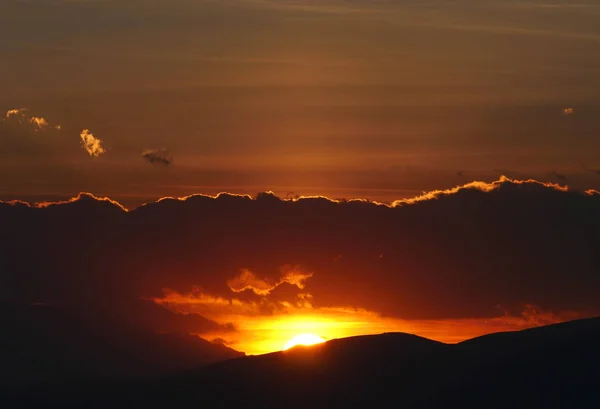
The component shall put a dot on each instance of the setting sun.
(303, 339)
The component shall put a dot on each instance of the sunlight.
(303, 339)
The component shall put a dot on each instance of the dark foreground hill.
(556, 366)
(41, 344)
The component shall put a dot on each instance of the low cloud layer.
(473, 254)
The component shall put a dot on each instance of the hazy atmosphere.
(369, 99)
(300, 204)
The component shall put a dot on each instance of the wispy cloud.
(91, 144)
(23, 116)
(247, 280)
(157, 157)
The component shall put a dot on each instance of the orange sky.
(379, 100)
(259, 333)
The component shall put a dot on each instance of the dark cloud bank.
(451, 254)
(468, 252)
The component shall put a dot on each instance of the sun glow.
(303, 339)
(258, 334)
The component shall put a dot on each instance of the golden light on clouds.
(23, 116)
(41, 124)
(260, 310)
(265, 326)
(15, 112)
(247, 280)
(91, 144)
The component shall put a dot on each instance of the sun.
(303, 339)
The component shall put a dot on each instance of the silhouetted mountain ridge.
(40, 343)
(547, 367)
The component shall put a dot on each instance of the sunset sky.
(378, 100)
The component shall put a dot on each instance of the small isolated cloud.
(91, 144)
(22, 116)
(157, 157)
(568, 111)
(19, 112)
(41, 124)
(247, 280)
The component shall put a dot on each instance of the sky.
(360, 99)
(458, 126)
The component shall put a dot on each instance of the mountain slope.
(40, 344)
(546, 367)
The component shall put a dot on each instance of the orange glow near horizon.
(258, 333)
(303, 339)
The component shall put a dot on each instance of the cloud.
(246, 280)
(18, 112)
(294, 275)
(503, 182)
(157, 157)
(41, 124)
(25, 137)
(91, 144)
(80, 199)
(22, 117)
(450, 257)
(260, 333)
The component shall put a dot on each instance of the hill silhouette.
(41, 344)
(555, 366)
